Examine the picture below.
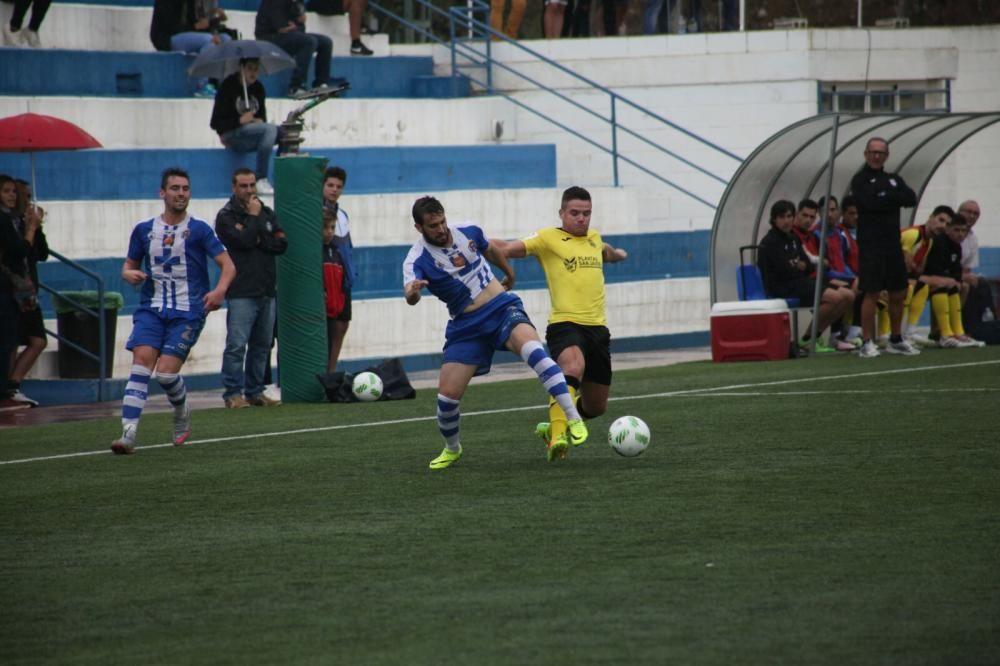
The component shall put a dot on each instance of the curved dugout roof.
(794, 164)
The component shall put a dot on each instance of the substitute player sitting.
(573, 257)
(485, 317)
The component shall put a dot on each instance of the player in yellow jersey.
(573, 257)
(917, 242)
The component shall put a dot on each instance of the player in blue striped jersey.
(454, 265)
(168, 256)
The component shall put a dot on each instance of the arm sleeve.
(238, 239)
(210, 241)
(136, 248)
(224, 114)
(268, 242)
(533, 245)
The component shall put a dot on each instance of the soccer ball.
(629, 436)
(367, 386)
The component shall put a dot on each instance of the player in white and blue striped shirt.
(168, 256)
(454, 264)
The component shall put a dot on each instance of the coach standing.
(880, 195)
(251, 233)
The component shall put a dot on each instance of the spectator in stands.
(12, 33)
(553, 16)
(283, 22)
(240, 117)
(513, 25)
(785, 269)
(333, 186)
(880, 195)
(16, 291)
(253, 237)
(355, 14)
(613, 17)
(656, 17)
(27, 219)
(188, 27)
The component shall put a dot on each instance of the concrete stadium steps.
(46, 72)
(90, 175)
(112, 27)
(183, 123)
(86, 230)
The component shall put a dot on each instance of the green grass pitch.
(827, 511)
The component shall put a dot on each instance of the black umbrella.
(223, 59)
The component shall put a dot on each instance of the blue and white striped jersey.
(175, 259)
(457, 274)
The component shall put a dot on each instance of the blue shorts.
(472, 338)
(170, 335)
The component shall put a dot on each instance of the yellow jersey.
(574, 270)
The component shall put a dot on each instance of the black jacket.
(169, 18)
(14, 252)
(273, 15)
(253, 245)
(230, 103)
(880, 195)
(777, 258)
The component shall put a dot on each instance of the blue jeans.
(193, 43)
(249, 328)
(254, 138)
(301, 46)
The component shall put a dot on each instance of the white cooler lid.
(729, 308)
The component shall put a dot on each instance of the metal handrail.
(100, 356)
(463, 16)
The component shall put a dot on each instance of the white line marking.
(702, 392)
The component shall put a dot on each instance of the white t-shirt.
(970, 252)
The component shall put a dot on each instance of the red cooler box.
(750, 331)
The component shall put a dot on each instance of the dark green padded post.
(298, 185)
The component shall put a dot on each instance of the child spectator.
(333, 186)
(333, 286)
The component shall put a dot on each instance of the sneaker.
(882, 341)
(821, 347)
(182, 424)
(9, 405)
(843, 346)
(264, 188)
(869, 350)
(20, 397)
(543, 430)
(556, 450)
(125, 444)
(948, 342)
(207, 90)
(297, 92)
(357, 48)
(577, 430)
(963, 341)
(855, 342)
(11, 37)
(236, 402)
(30, 39)
(902, 347)
(261, 400)
(920, 340)
(446, 458)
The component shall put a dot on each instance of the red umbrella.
(32, 132)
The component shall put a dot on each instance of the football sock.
(939, 305)
(173, 386)
(884, 325)
(136, 392)
(955, 312)
(557, 417)
(918, 302)
(550, 375)
(447, 418)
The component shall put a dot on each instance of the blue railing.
(101, 328)
(470, 40)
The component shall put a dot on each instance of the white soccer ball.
(367, 386)
(629, 436)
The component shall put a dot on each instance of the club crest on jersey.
(185, 234)
(168, 239)
(457, 260)
(570, 264)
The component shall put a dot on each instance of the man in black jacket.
(240, 117)
(251, 233)
(880, 195)
(283, 22)
(13, 275)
